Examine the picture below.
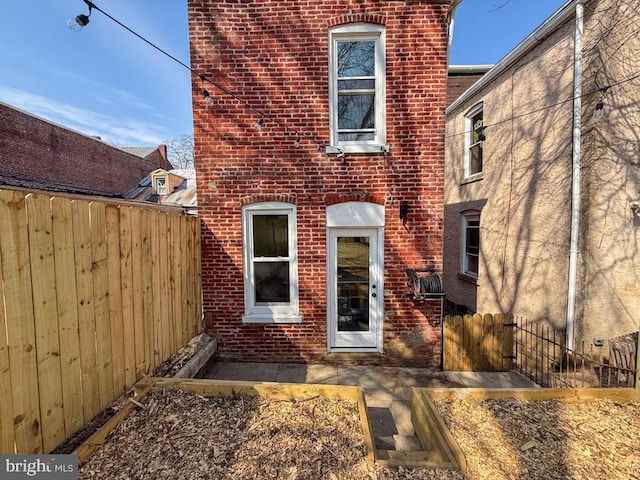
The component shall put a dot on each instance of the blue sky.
(104, 81)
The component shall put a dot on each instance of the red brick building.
(38, 154)
(320, 158)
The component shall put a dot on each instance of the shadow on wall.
(527, 180)
(223, 312)
(306, 172)
(524, 191)
(460, 289)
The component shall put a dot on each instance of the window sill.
(468, 278)
(364, 148)
(272, 318)
(476, 177)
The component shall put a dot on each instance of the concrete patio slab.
(490, 380)
(387, 389)
(301, 373)
(246, 372)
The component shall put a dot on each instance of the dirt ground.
(182, 435)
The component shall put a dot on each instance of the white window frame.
(161, 190)
(358, 32)
(469, 129)
(468, 217)
(270, 312)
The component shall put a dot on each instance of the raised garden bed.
(215, 429)
(205, 429)
(536, 434)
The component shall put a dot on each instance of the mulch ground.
(516, 439)
(179, 434)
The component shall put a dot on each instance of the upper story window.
(470, 243)
(357, 88)
(161, 185)
(271, 265)
(474, 128)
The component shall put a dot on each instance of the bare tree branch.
(498, 7)
(180, 151)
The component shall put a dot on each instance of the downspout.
(575, 185)
(451, 17)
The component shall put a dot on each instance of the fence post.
(508, 324)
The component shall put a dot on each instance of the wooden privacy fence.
(93, 295)
(478, 343)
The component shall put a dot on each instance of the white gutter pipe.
(462, 69)
(575, 184)
(451, 20)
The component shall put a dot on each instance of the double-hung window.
(357, 88)
(474, 128)
(270, 263)
(470, 243)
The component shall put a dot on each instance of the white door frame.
(356, 219)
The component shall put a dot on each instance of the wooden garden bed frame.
(440, 449)
(223, 388)
(436, 437)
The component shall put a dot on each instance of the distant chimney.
(162, 148)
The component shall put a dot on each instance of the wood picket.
(474, 343)
(94, 294)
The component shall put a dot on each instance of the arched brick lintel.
(359, 196)
(261, 198)
(357, 18)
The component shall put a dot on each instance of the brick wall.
(38, 154)
(458, 83)
(274, 55)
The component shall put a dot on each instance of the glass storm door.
(355, 293)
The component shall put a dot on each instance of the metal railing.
(541, 355)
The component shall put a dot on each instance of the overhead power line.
(603, 89)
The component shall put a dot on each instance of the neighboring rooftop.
(181, 189)
(38, 154)
(141, 152)
(461, 77)
(550, 25)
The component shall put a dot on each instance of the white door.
(355, 289)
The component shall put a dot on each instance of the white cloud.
(105, 94)
(118, 131)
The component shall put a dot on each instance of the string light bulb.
(297, 142)
(259, 123)
(80, 21)
(207, 97)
